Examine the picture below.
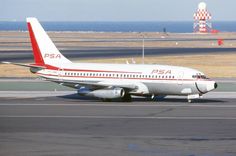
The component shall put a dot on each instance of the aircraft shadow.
(76, 97)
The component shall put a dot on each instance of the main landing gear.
(106, 100)
(126, 98)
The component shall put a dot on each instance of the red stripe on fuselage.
(118, 78)
(36, 51)
(88, 70)
(107, 71)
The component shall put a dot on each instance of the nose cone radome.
(206, 86)
(211, 85)
(215, 85)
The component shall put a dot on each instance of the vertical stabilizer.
(45, 52)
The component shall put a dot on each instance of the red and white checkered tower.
(202, 19)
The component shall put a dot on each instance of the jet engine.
(107, 93)
(34, 69)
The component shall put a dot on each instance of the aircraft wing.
(93, 85)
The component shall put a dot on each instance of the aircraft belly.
(171, 88)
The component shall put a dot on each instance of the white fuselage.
(150, 79)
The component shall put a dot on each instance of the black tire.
(127, 98)
(106, 100)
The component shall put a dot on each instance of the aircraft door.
(180, 78)
(60, 74)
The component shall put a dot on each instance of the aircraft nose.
(211, 85)
(206, 86)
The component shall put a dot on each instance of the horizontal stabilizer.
(25, 65)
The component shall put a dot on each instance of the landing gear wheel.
(189, 101)
(126, 98)
(106, 100)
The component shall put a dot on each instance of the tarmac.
(59, 122)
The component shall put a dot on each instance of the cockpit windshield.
(199, 76)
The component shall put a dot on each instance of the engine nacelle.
(34, 70)
(108, 93)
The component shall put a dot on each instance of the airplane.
(112, 81)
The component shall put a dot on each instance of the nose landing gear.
(192, 97)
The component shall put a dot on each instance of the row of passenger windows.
(119, 75)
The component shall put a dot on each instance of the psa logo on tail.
(52, 56)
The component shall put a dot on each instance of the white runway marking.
(120, 117)
(128, 105)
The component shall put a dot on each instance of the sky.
(113, 10)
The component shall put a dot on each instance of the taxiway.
(61, 123)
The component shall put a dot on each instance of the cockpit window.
(198, 76)
(203, 77)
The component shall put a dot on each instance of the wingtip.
(5, 62)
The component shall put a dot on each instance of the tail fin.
(45, 52)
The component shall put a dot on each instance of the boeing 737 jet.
(112, 81)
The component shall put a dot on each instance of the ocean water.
(179, 27)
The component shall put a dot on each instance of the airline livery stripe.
(113, 77)
(37, 54)
(87, 70)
